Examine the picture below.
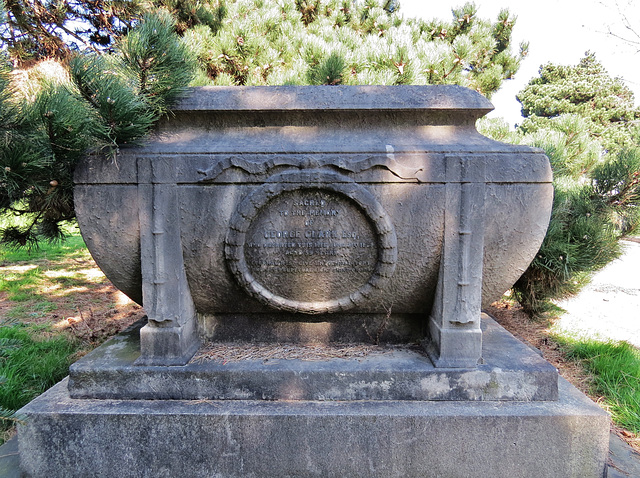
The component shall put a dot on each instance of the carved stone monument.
(316, 215)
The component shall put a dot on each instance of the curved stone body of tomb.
(317, 213)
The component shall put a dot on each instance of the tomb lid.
(343, 98)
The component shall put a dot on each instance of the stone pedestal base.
(64, 437)
(389, 415)
(510, 371)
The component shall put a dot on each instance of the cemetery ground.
(56, 305)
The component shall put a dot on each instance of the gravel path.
(609, 307)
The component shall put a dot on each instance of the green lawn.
(33, 356)
(615, 371)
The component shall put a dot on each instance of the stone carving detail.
(253, 196)
(262, 166)
(311, 242)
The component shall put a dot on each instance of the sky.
(558, 31)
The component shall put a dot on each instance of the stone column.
(170, 337)
(454, 323)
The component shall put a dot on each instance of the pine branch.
(162, 64)
(77, 37)
(11, 416)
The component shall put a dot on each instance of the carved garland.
(251, 206)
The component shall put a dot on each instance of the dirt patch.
(235, 352)
(70, 295)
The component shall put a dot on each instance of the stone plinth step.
(511, 371)
(67, 438)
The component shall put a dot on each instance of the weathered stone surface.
(10, 459)
(449, 98)
(326, 247)
(511, 371)
(319, 204)
(404, 167)
(316, 214)
(440, 439)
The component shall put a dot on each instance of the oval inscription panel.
(311, 249)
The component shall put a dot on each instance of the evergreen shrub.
(596, 203)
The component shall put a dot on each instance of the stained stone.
(316, 216)
(511, 372)
(76, 438)
(312, 205)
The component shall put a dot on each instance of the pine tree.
(347, 42)
(34, 30)
(161, 64)
(586, 89)
(586, 123)
(596, 203)
(53, 116)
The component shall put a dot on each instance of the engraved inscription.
(311, 245)
(312, 242)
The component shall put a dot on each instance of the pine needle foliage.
(37, 157)
(52, 116)
(348, 42)
(34, 30)
(158, 61)
(585, 121)
(106, 85)
(617, 180)
(7, 417)
(587, 90)
(580, 240)
(192, 13)
(329, 71)
(596, 203)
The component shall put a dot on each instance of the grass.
(614, 368)
(27, 275)
(32, 359)
(30, 363)
(32, 282)
(72, 246)
(40, 289)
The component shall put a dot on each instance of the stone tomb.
(368, 219)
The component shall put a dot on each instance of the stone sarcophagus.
(317, 214)
(316, 220)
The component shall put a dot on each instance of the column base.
(168, 345)
(454, 348)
